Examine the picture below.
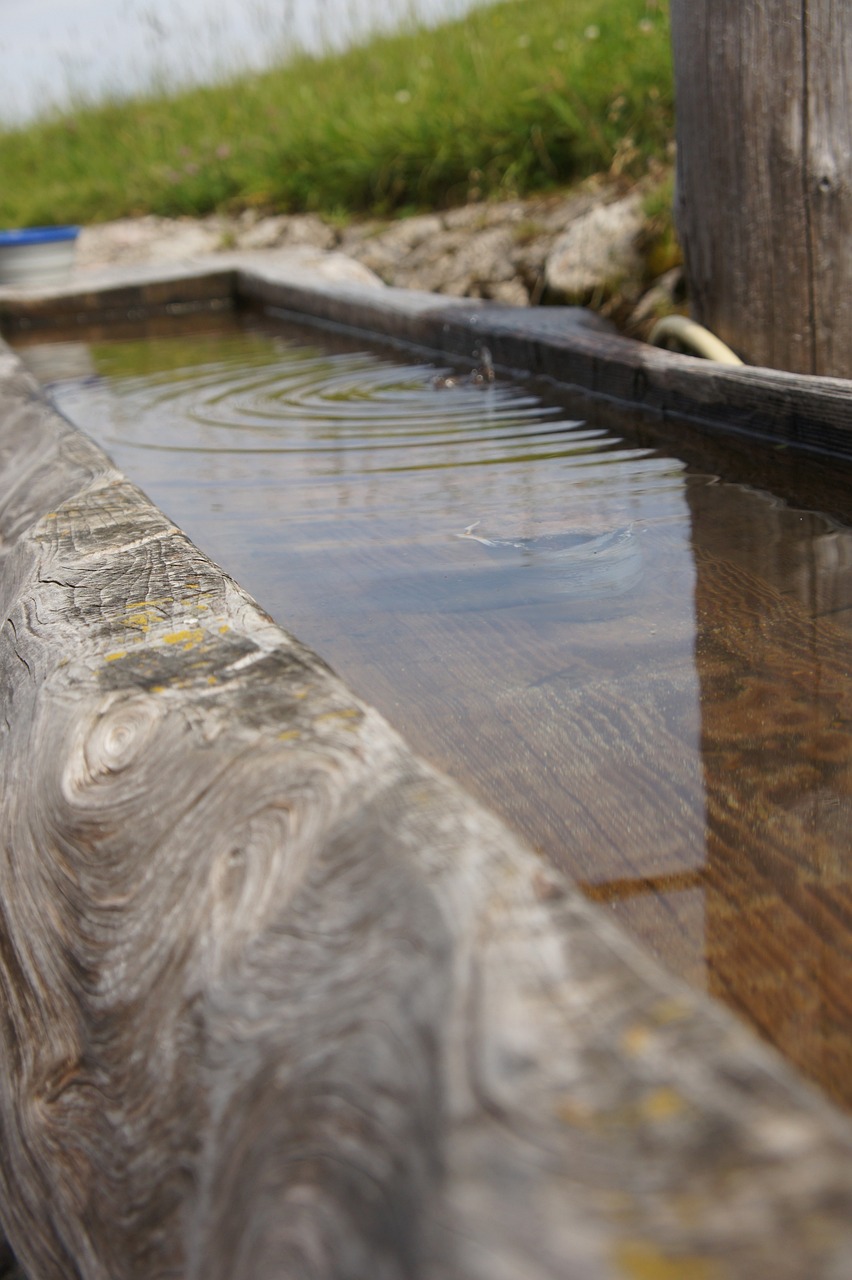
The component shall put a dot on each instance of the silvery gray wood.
(764, 176)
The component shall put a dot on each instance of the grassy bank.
(522, 96)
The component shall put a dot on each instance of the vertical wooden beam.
(829, 61)
(764, 198)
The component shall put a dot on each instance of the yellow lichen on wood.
(643, 1261)
(142, 616)
(158, 602)
(345, 713)
(636, 1040)
(673, 1009)
(662, 1104)
(187, 639)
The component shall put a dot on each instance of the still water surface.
(644, 665)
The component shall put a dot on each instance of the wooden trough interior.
(280, 1000)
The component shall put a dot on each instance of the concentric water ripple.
(315, 403)
(346, 446)
(352, 412)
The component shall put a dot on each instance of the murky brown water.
(642, 663)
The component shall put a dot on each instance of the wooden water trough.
(279, 1001)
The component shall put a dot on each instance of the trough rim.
(571, 347)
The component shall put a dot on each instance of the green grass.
(527, 95)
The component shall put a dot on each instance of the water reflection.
(773, 593)
(773, 597)
(644, 667)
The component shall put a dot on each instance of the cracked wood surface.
(280, 1001)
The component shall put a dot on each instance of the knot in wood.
(111, 742)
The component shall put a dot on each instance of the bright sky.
(52, 49)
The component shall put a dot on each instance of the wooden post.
(764, 184)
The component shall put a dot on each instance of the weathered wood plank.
(764, 198)
(120, 296)
(829, 181)
(278, 1000)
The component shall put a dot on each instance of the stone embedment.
(570, 249)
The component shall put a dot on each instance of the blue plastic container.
(37, 256)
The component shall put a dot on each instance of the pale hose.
(693, 338)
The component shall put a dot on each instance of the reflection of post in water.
(774, 618)
(773, 606)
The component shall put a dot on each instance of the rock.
(473, 262)
(358, 233)
(131, 241)
(285, 231)
(300, 244)
(467, 265)
(300, 264)
(511, 292)
(485, 250)
(550, 215)
(338, 268)
(476, 217)
(598, 254)
(386, 248)
(568, 248)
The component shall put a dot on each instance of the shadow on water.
(640, 660)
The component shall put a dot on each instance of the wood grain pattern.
(764, 199)
(829, 169)
(280, 1001)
